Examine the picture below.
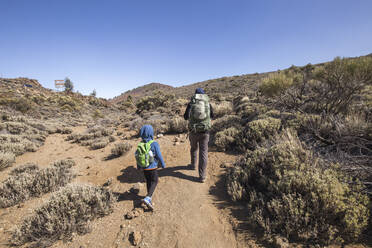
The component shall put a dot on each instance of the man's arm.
(186, 116)
(211, 111)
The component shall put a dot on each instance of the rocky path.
(186, 212)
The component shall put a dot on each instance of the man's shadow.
(175, 171)
(133, 175)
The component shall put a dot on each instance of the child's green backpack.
(144, 156)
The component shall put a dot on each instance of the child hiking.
(148, 156)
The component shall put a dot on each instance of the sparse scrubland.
(307, 143)
(28, 181)
(303, 136)
(68, 211)
(96, 137)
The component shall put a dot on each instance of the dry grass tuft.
(68, 211)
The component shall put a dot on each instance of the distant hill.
(232, 86)
(142, 91)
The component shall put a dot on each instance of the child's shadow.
(131, 175)
(132, 195)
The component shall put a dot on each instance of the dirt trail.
(186, 213)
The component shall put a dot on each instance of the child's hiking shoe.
(147, 201)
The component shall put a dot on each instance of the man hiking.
(199, 112)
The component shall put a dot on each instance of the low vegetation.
(96, 137)
(6, 159)
(290, 191)
(68, 211)
(121, 149)
(29, 181)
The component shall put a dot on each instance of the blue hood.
(199, 91)
(147, 133)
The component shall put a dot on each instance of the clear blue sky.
(114, 46)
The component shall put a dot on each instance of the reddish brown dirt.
(187, 213)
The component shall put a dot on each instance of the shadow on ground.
(175, 171)
(109, 157)
(131, 175)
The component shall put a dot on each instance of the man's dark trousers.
(199, 141)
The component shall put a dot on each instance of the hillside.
(290, 158)
(142, 91)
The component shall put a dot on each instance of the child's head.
(147, 133)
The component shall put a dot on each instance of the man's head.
(199, 91)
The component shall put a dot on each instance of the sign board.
(59, 84)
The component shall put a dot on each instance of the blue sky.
(113, 46)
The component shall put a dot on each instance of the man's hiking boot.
(202, 180)
(147, 201)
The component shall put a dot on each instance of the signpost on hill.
(59, 84)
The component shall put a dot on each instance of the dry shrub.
(226, 122)
(177, 125)
(22, 104)
(291, 192)
(223, 108)
(29, 181)
(96, 137)
(121, 149)
(257, 131)
(6, 159)
(345, 139)
(26, 168)
(18, 148)
(16, 127)
(226, 139)
(99, 143)
(63, 130)
(68, 211)
(97, 114)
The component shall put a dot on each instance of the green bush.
(278, 82)
(291, 192)
(155, 101)
(225, 122)
(68, 211)
(226, 139)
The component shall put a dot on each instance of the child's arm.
(158, 154)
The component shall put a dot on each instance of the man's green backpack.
(144, 155)
(200, 120)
